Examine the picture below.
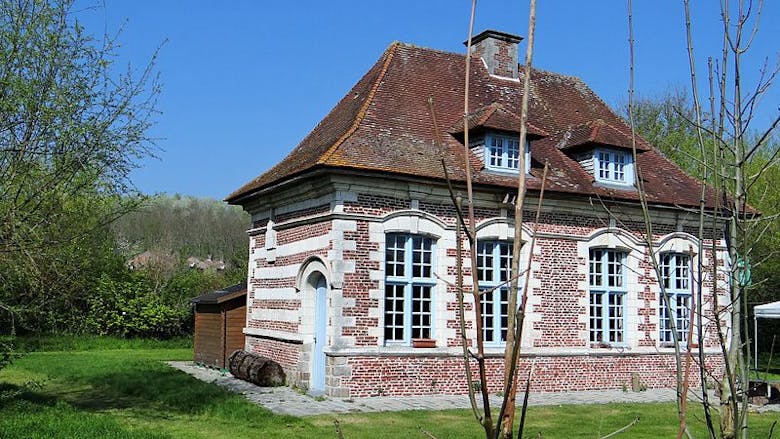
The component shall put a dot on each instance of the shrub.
(133, 308)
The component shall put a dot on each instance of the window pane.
(682, 272)
(496, 152)
(683, 305)
(488, 321)
(615, 318)
(666, 260)
(604, 161)
(664, 323)
(596, 276)
(596, 316)
(504, 292)
(505, 260)
(394, 255)
(513, 153)
(620, 163)
(421, 259)
(484, 261)
(421, 311)
(614, 268)
(394, 312)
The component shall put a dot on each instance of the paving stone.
(286, 401)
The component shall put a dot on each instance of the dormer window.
(496, 139)
(502, 153)
(613, 166)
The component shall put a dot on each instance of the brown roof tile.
(598, 132)
(496, 117)
(384, 125)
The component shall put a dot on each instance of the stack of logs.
(257, 370)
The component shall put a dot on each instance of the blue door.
(320, 337)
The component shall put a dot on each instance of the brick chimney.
(498, 50)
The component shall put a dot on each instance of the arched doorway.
(317, 382)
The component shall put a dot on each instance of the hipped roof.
(384, 125)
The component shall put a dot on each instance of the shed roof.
(221, 296)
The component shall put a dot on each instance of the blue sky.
(244, 81)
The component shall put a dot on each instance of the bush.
(132, 308)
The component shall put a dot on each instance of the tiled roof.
(384, 125)
(598, 132)
(496, 117)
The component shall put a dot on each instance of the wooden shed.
(219, 322)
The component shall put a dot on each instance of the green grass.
(50, 342)
(768, 369)
(128, 392)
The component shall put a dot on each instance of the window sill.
(684, 346)
(609, 346)
(616, 185)
(423, 343)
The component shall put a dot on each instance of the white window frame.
(502, 153)
(612, 166)
(406, 283)
(493, 269)
(605, 289)
(677, 280)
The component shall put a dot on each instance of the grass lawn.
(107, 388)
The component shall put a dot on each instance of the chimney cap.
(489, 33)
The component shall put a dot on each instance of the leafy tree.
(666, 122)
(71, 130)
(186, 226)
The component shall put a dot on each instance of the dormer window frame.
(502, 152)
(613, 166)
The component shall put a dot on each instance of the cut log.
(256, 369)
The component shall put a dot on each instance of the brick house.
(352, 228)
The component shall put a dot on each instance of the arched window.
(608, 288)
(494, 263)
(409, 284)
(676, 281)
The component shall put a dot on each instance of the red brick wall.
(357, 284)
(562, 314)
(286, 354)
(413, 375)
(559, 309)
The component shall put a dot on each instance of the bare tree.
(728, 134)
(466, 224)
(725, 156)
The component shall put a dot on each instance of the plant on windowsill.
(423, 343)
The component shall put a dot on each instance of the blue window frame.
(494, 263)
(615, 167)
(409, 283)
(607, 280)
(502, 153)
(676, 280)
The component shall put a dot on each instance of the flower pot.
(423, 343)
